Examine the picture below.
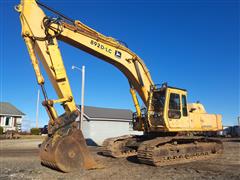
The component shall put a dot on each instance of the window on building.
(7, 121)
(174, 106)
(184, 105)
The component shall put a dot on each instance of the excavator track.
(162, 151)
(116, 147)
(177, 150)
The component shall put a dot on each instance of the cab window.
(174, 106)
(184, 105)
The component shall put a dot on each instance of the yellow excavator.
(166, 120)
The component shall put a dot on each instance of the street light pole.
(82, 94)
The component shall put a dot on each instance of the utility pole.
(82, 94)
(38, 95)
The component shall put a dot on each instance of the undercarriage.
(161, 151)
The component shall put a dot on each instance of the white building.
(102, 123)
(10, 117)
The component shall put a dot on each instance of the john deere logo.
(118, 54)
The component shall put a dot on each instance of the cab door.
(177, 114)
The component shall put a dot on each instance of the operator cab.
(165, 104)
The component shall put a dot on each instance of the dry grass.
(32, 137)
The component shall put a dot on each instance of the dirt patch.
(19, 160)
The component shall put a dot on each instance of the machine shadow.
(234, 140)
(133, 159)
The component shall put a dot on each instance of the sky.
(189, 44)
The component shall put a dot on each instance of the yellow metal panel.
(57, 63)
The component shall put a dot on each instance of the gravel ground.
(19, 160)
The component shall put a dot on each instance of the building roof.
(98, 113)
(8, 109)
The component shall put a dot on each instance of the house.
(10, 117)
(101, 123)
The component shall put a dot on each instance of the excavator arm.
(45, 47)
(41, 35)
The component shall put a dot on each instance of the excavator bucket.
(66, 149)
